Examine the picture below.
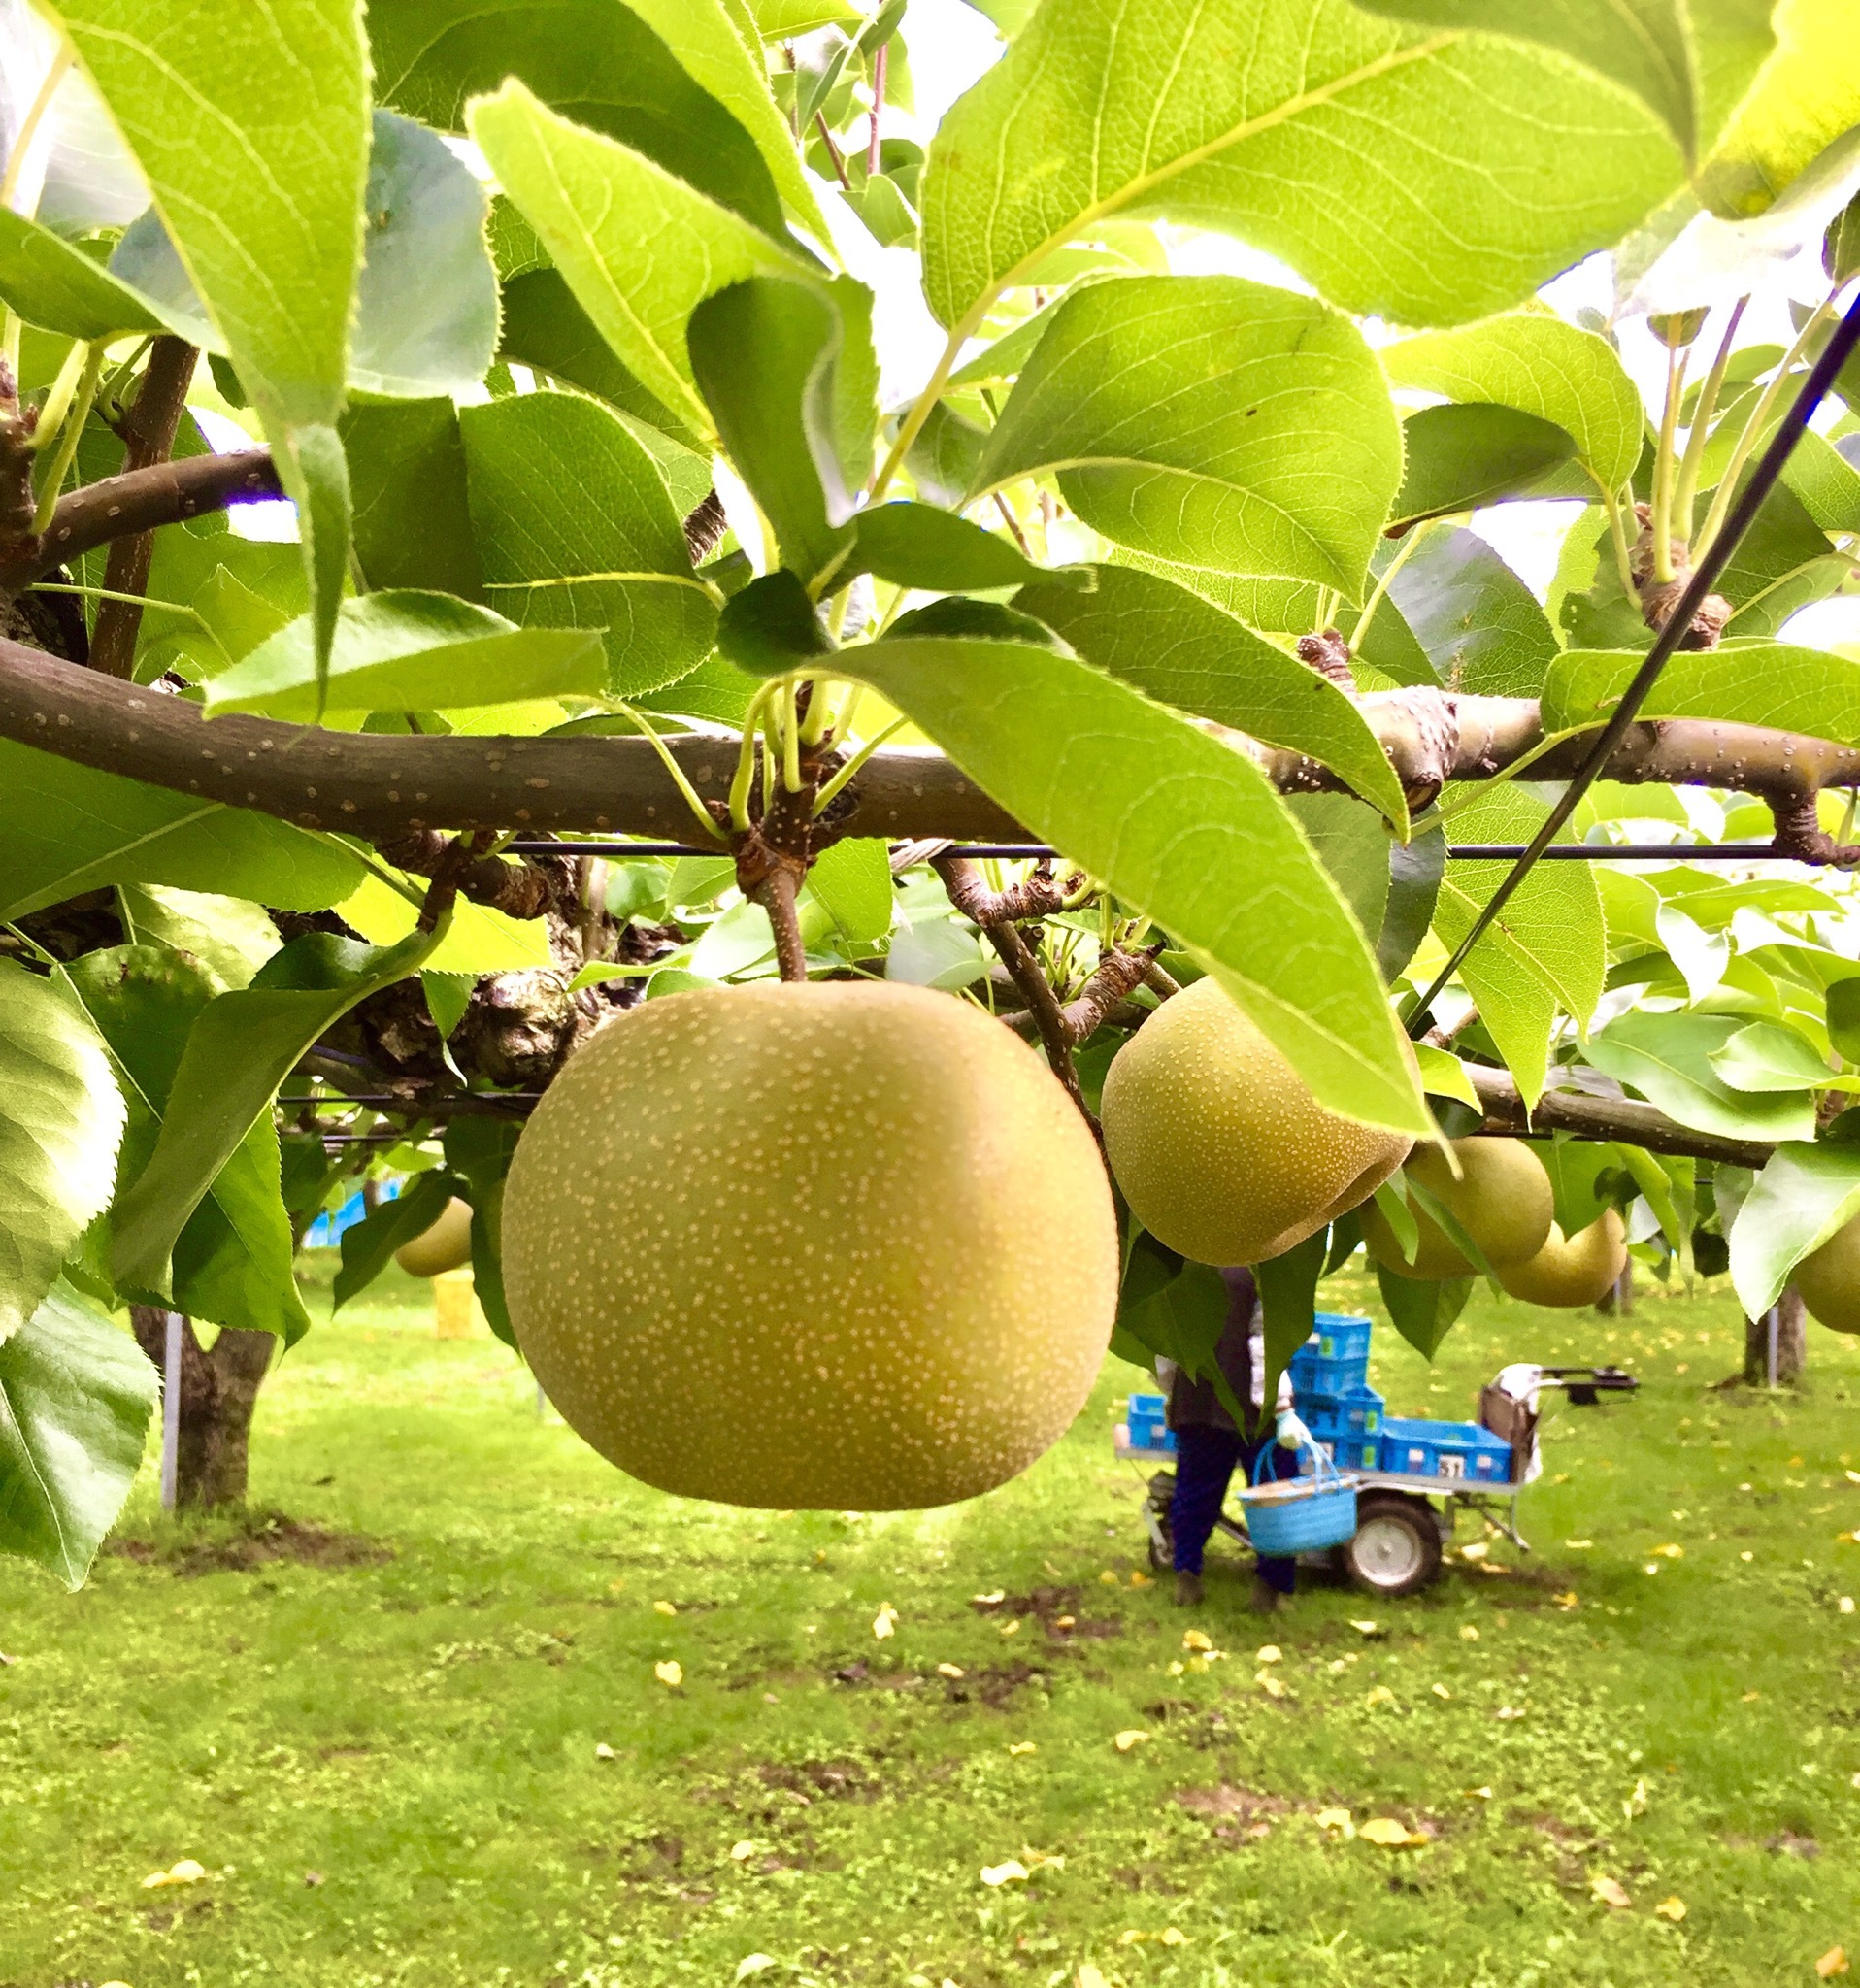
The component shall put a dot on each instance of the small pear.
(1579, 1269)
(1502, 1200)
(1829, 1279)
(1219, 1146)
(444, 1246)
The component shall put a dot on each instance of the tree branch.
(148, 437)
(1590, 1117)
(377, 784)
(139, 501)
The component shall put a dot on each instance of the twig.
(1604, 1119)
(148, 437)
(447, 875)
(775, 894)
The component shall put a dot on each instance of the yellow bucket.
(457, 1312)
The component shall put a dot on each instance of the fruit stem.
(776, 896)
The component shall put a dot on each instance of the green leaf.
(1444, 1076)
(1432, 176)
(1578, 1170)
(545, 329)
(1546, 949)
(918, 546)
(1176, 823)
(1352, 843)
(710, 41)
(75, 1399)
(1805, 97)
(69, 829)
(1766, 1056)
(238, 1052)
(1181, 649)
(640, 248)
(1823, 480)
(853, 878)
(1422, 1312)
(477, 939)
(598, 62)
(1773, 683)
(252, 125)
(233, 1260)
(412, 524)
(1477, 623)
(772, 626)
(314, 472)
(54, 284)
(1288, 1299)
(478, 1150)
(614, 559)
(1456, 458)
(1415, 869)
(1534, 362)
(1176, 1309)
(231, 937)
(1805, 1191)
(763, 353)
(406, 650)
(426, 301)
(946, 456)
(1668, 1059)
(368, 1246)
(61, 1122)
(1213, 421)
(1687, 65)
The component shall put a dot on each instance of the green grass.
(420, 1730)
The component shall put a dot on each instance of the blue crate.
(1341, 1335)
(1147, 1423)
(1346, 1453)
(1455, 1453)
(1334, 1360)
(1357, 1414)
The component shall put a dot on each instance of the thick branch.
(377, 784)
(1590, 1117)
(140, 501)
(148, 437)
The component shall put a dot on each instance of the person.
(1210, 1447)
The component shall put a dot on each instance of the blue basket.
(1455, 1453)
(1306, 1515)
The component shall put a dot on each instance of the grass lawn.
(426, 1745)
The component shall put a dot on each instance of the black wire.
(1718, 556)
(1464, 852)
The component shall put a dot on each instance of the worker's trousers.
(1205, 1463)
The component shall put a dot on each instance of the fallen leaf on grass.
(1381, 1695)
(1197, 1639)
(1671, 1551)
(1175, 1668)
(1750, 1698)
(1000, 1595)
(1366, 1628)
(1269, 1684)
(1023, 1746)
(741, 1853)
(1572, 1600)
(950, 1670)
(1475, 1549)
(665, 1608)
(603, 1752)
(1269, 1653)
(1139, 1578)
(670, 1673)
(186, 1871)
(1635, 1802)
(1012, 1628)
(1477, 1794)
(1833, 1961)
(1013, 1871)
(1387, 1834)
(1611, 1892)
(1439, 1691)
(1089, 1976)
(1468, 1633)
(1845, 1605)
(1108, 1579)
(885, 1622)
(1509, 1711)
(1337, 1821)
(1673, 1908)
(1131, 1735)
(1579, 1545)
(754, 1963)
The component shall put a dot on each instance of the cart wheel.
(1397, 1547)
(1162, 1550)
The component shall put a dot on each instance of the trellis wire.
(1718, 556)
(1460, 852)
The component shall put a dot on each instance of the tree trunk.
(1618, 1301)
(1792, 1343)
(219, 1391)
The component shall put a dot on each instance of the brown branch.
(1591, 1117)
(148, 431)
(777, 897)
(1118, 975)
(377, 784)
(517, 890)
(448, 873)
(1038, 896)
(139, 502)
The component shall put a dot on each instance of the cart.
(1405, 1518)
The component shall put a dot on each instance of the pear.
(1577, 1270)
(1220, 1147)
(1502, 1199)
(824, 1245)
(1829, 1279)
(444, 1246)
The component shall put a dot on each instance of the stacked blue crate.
(1147, 1424)
(1330, 1387)
(1456, 1452)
